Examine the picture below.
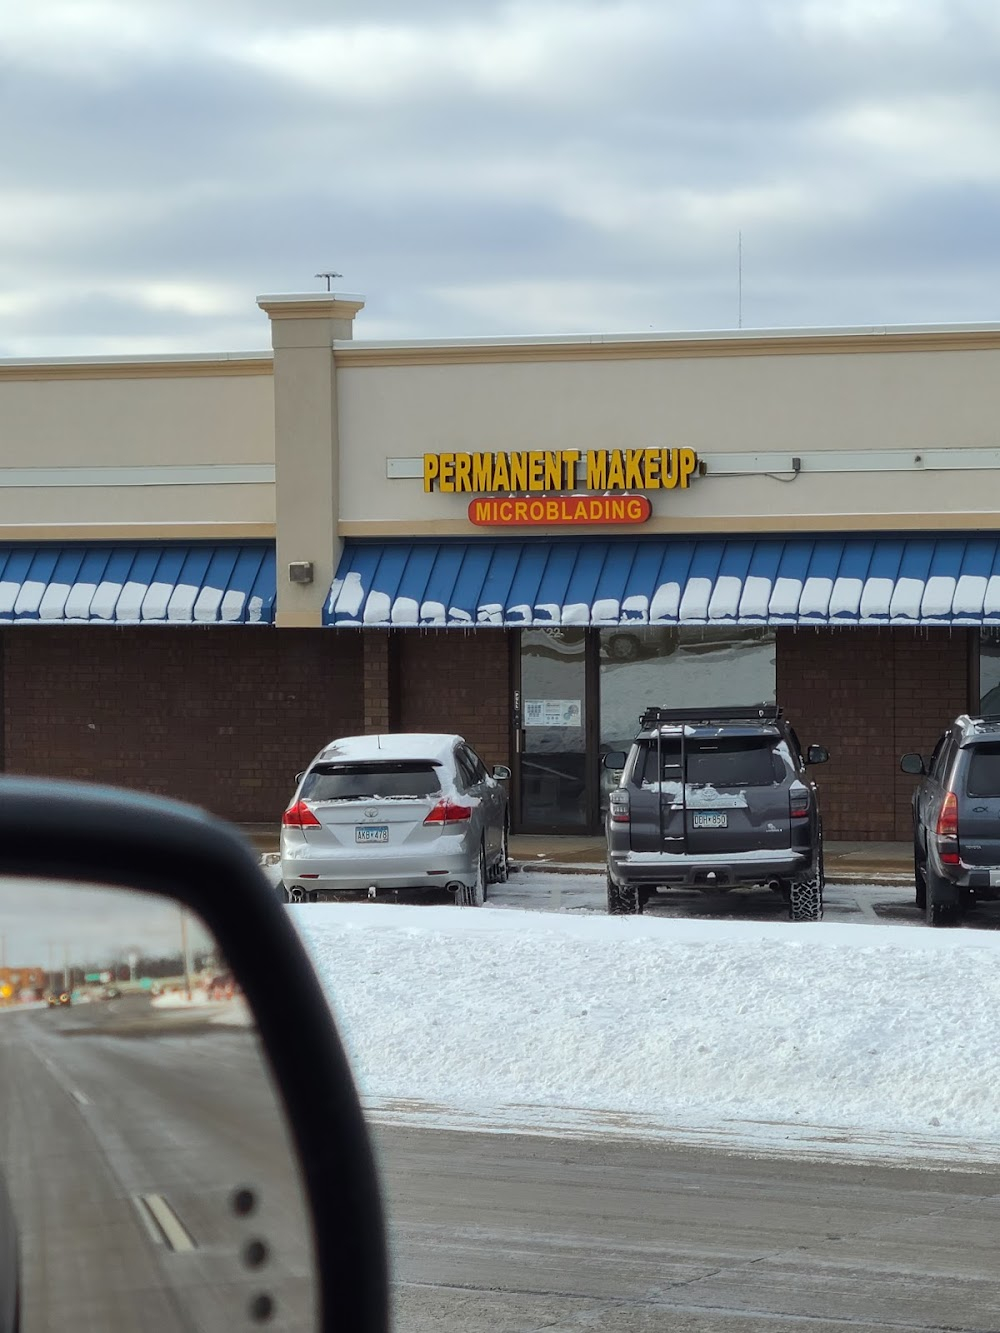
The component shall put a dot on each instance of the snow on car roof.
(435, 747)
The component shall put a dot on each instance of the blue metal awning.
(700, 581)
(219, 584)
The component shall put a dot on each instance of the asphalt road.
(503, 1233)
(124, 1134)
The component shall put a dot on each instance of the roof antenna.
(329, 275)
(739, 281)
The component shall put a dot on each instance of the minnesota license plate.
(371, 832)
(709, 819)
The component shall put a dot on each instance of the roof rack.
(658, 717)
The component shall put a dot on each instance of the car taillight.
(449, 812)
(299, 816)
(618, 807)
(946, 829)
(798, 804)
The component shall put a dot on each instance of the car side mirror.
(501, 772)
(913, 764)
(299, 777)
(614, 759)
(817, 754)
(231, 1131)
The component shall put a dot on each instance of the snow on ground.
(859, 1040)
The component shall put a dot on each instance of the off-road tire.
(805, 895)
(622, 900)
(474, 895)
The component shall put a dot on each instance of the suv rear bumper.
(983, 880)
(705, 871)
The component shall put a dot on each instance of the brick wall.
(869, 695)
(224, 717)
(453, 681)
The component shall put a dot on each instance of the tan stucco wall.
(152, 505)
(801, 404)
(114, 421)
(170, 415)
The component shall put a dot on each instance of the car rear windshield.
(730, 761)
(347, 782)
(984, 771)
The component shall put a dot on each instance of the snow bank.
(848, 1039)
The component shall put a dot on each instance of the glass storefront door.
(554, 772)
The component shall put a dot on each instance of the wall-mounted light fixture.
(300, 571)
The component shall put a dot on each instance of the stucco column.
(306, 446)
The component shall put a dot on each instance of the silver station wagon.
(391, 814)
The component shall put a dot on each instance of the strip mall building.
(211, 565)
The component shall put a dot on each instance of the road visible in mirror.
(147, 1160)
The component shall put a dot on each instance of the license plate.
(371, 832)
(709, 819)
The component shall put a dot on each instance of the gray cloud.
(495, 169)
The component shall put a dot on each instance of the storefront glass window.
(553, 722)
(989, 671)
(678, 668)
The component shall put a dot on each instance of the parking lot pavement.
(856, 903)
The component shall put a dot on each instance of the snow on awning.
(222, 584)
(739, 581)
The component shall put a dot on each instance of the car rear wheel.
(475, 895)
(938, 911)
(503, 865)
(920, 879)
(622, 900)
(805, 895)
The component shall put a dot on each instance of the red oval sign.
(517, 511)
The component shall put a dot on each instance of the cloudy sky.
(477, 168)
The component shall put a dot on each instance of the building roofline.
(150, 359)
(673, 336)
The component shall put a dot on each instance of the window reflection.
(989, 671)
(646, 665)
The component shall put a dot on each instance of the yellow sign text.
(537, 470)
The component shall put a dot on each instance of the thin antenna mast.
(739, 281)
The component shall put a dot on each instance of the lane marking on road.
(78, 1096)
(163, 1224)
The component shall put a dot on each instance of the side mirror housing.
(79, 837)
(299, 777)
(817, 754)
(501, 772)
(913, 764)
(614, 759)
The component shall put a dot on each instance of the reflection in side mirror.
(614, 759)
(817, 754)
(501, 772)
(913, 764)
(135, 1087)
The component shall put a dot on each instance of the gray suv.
(956, 819)
(713, 799)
